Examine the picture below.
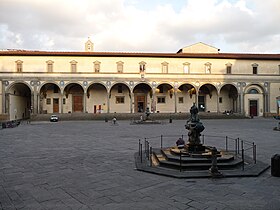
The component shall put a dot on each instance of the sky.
(233, 26)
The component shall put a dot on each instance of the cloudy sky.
(140, 25)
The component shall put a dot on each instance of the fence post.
(139, 146)
(141, 152)
(145, 145)
(148, 150)
(238, 145)
(235, 147)
(203, 139)
(151, 155)
(255, 153)
(226, 143)
(242, 150)
(161, 141)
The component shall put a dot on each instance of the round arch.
(207, 98)
(74, 98)
(228, 96)
(143, 97)
(96, 98)
(18, 100)
(254, 100)
(186, 95)
(120, 98)
(165, 99)
(50, 98)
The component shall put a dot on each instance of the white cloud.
(133, 25)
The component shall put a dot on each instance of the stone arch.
(186, 95)
(254, 100)
(96, 101)
(74, 98)
(50, 98)
(228, 96)
(207, 98)
(164, 98)
(142, 97)
(19, 100)
(120, 98)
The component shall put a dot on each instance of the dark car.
(54, 118)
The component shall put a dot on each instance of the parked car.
(54, 118)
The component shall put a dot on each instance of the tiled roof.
(135, 54)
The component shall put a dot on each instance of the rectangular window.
(161, 100)
(142, 67)
(186, 69)
(64, 101)
(164, 68)
(119, 99)
(50, 67)
(255, 70)
(181, 100)
(19, 67)
(96, 67)
(120, 68)
(48, 101)
(73, 67)
(220, 100)
(228, 69)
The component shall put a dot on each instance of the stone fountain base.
(185, 163)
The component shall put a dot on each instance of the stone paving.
(90, 165)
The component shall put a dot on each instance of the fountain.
(195, 159)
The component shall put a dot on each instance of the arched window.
(253, 91)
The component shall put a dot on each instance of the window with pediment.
(255, 68)
(164, 67)
(49, 66)
(186, 67)
(73, 65)
(208, 68)
(120, 67)
(96, 66)
(142, 67)
(228, 68)
(19, 65)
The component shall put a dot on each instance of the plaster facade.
(39, 82)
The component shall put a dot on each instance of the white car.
(54, 118)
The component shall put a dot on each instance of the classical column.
(131, 101)
(35, 101)
(7, 103)
(3, 98)
(108, 101)
(61, 102)
(175, 98)
(85, 102)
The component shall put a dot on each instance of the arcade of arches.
(21, 99)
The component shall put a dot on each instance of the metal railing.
(246, 150)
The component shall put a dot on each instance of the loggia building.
(44, 82)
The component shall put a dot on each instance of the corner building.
(42, 82)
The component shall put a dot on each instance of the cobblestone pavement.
(90, 165)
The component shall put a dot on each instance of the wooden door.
(77, 103)
(55, 105)
(140, 103)
(253, 108)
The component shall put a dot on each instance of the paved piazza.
(90, 165)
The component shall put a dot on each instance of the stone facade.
(39, 82)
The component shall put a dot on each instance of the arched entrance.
(74, 102)
(165, 99)
(120, 98)
(97, 98)
(50, 95)
(18, 101)
(254, 101)
(207, 98)
(186, 95)
(228, 98)
(142, 97)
